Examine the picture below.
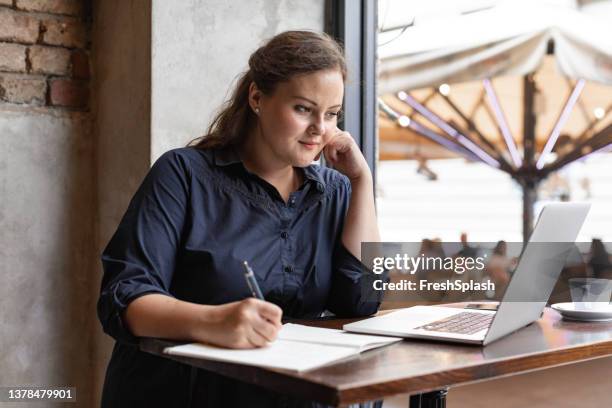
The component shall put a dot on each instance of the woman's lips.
(310, 146)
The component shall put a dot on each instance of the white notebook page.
(297, 348)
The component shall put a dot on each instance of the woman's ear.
(254, 97)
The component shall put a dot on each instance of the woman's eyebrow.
(313, 102)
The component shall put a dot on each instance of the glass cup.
(590, 293)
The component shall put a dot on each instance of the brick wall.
(44, 53)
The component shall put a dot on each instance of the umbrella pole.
(530, 196)
(528, 181)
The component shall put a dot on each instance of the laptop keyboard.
(461, 323)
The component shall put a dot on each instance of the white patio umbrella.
(499, 39)
(510, 38)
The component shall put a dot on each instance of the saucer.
(568, 311)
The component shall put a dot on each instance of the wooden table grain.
(418, 366)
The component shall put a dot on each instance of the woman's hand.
(249, 323)
(343, 154)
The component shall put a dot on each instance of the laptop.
(524, 299)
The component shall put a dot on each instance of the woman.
(245, 191)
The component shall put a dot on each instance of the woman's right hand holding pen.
(249, 323)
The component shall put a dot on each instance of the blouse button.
(288, 268)
(284, 235)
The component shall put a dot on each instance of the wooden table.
(422, 367)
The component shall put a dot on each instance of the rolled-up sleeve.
(352, 290)
(140, 257)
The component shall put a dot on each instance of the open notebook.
(297, 348)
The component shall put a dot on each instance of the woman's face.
(299, 117)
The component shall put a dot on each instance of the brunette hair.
(283, 57)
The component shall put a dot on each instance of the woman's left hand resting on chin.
(343, 154)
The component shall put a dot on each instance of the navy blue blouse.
(197, 215)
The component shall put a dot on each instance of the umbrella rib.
(479, 103)
(563, 116)
(423, 102)
(579, 103)
(472, 127)
(599, 141)
(449, 130)
(592, 124)
(405, 121)
(502, 123)
(482, 104)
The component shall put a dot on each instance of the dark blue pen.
(251, 281)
